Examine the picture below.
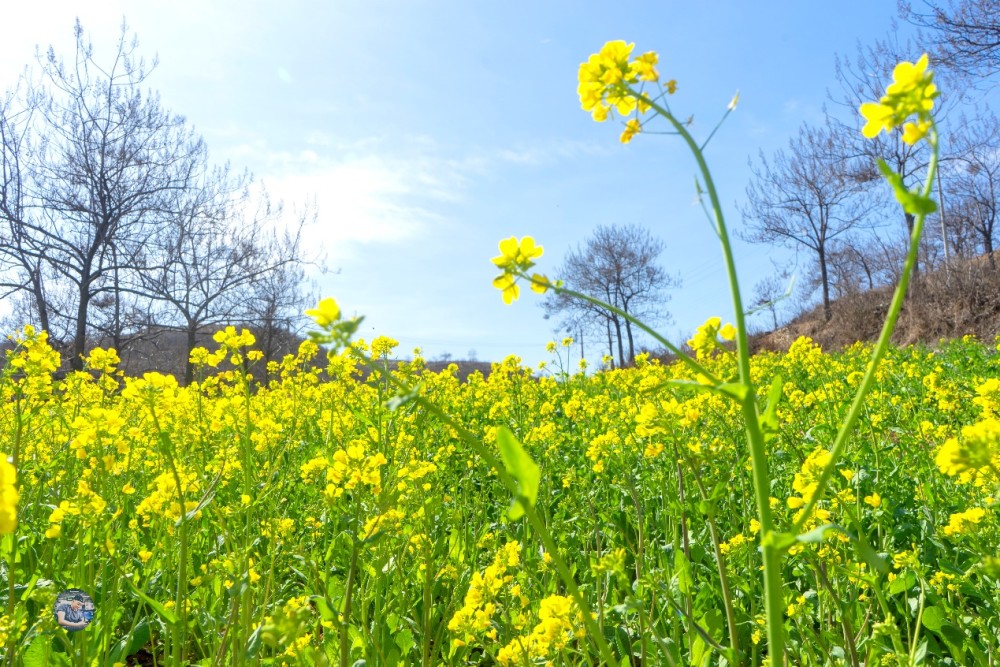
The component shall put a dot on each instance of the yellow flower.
(644, 67)
(383, 345)
(911, 93)
(540, 283)
(978, 448)
(517, 254)
(705, 340)
(875, 500)
(325, 313)
(632, 128)
(507, 285)
(8, 497)
(517, 257)
(963, 522)
(914, 132)
(604, 80)
(879, 118)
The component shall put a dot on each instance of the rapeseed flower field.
(234, 523)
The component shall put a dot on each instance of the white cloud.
(364, 200)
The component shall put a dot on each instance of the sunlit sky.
(426, 131)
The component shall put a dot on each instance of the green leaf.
(253, 643)
(769, 421)
(913, 202)
(130, 644)
(780, 541)
(40, 653)
(682, 570)
(403, 398)
(404, 640)
(736, 390)
(903, 583)
(817, 534)
(934, 618)
(325, 612)
(522, 468)
(166, 614)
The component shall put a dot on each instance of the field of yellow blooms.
(321, 519)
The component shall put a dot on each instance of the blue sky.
(426, 131)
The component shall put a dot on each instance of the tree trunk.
(631, 342)
(988, 248)
(825, 278)
(39, 294)
(910, 219)
(80, 337)
(611, 347)
(192, 332)
(621, 347)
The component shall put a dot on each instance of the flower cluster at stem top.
(336, 330)
(606, 80)
(706, 339)
(515, 260)
(911, 93)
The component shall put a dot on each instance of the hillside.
(944, 303)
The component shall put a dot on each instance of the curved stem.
(773, 581)
(840, 443)
(681, 354)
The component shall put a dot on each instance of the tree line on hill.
(114, 225)
(823, 195)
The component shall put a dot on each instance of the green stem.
(345, 624)
(773, 581)
(840, 443)
(12, 561)
(529, 511)
(720, 559)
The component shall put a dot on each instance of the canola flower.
(911, 94)
(413, 508)
(8, 497)
(325, 313)
(515, 260)
(558, 624)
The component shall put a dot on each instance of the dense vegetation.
(307, 522)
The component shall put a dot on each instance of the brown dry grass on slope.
(945, 303)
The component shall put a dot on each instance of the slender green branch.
(847, 427)
(681, 354)
(773, 580)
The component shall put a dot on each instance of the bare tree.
(806, 197)
(277, 301)
(113, 223)
(219, 254)
(96, 169)
(616, 265)
(967, 32)
(972, 180)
